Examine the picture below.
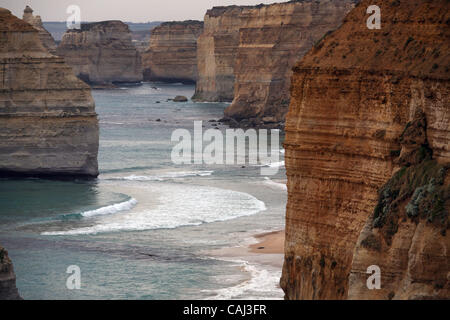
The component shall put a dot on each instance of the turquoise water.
(144, 228)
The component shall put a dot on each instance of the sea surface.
(145, 227)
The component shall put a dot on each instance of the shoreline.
(260, 261)
(268, 250)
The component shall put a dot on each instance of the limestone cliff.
(367, 154)
(102, 53)
(272, 39)
(172, 53)
(46, 38)
(216, 54)
(48, 124)
(8, 289)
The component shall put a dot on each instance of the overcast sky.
(125, 10)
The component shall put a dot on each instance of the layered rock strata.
(172, 53)
(216, 54)
(246, 53)
(8, 289)
(102, 53)
(367, 158)
(48, 124)
(272, 39)
(36, 21)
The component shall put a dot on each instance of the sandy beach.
(268, 250)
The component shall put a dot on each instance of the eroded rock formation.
(8, 289)
(48, 124)
(246, 53)
(102, 53)
(367, 158)
(216, 54)
(36, 21)
(272, 39)
(172, 53)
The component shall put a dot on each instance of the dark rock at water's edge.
(8, 289)
(180, 99)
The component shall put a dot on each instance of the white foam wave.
(110, 122)
(126, 205)
(181, 205)
(272, 164)
(262, 285)
(274, 184)
(163, 177)
(276, 164)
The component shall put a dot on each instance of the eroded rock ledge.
(102, 53)
(48, 124)
(352, 97)
(172, 53)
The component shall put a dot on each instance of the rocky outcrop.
(367, 154)
(45, 37)
(172, 53)
(48, 124)
(246, 53)
(272, 39)
(216, 54)
(102, 53)
(8, 289)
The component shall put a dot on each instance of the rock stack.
(102, 53)
(47, 115)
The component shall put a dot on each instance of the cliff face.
(272, 39)
(367, 154)
(172, 53)
(8, 289)
(216, 54)
(45, 37)
(48, 124)
(102, 52)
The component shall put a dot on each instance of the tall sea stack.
(172, 53)
(367, 158)
(45, 36)
(8, 289)
(48, 124)
(102, 53)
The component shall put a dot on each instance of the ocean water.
(145, 227)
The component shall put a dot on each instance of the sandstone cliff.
(272, 39)
(45, 37)
(216, 54)
(8, 289)
(367, 158)
(172, 53)
(102, 53)
(48, 124)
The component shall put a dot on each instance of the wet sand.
(268, 250)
